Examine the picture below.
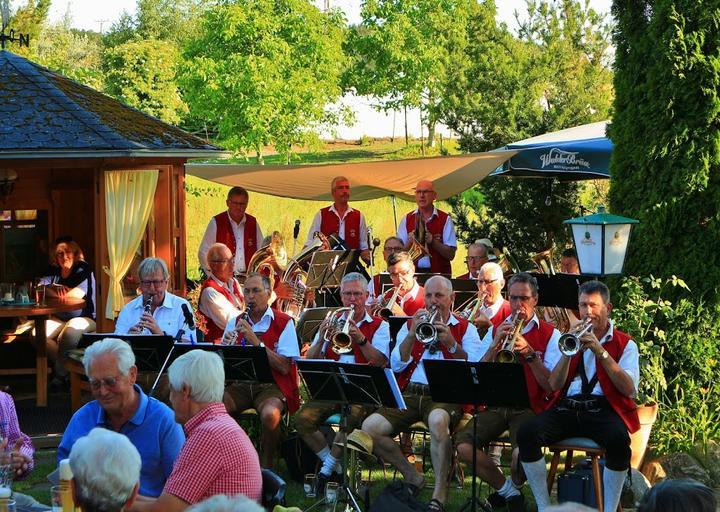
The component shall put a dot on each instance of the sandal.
(436, 505)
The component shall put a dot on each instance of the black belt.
(588, 403)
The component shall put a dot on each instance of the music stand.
(396, 323)
(242, 364)
(465, 289)
(150, 349)
(456, 381)
(327, 268)
(309, 323)
(559, 290)
(348, 384)
(422, 277)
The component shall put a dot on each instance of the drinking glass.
(7, 505)
(6, 473)
(56, 498)
(331, 492)
(309, 485)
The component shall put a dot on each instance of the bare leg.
(270, 412)
(315, 441)
(440, 445)
(485, 467)
(384, 447)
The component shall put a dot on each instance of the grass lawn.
(206, 199)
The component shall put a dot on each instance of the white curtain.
(129, 199)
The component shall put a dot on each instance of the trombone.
(506, 354)
(468, 310)
(570, 343)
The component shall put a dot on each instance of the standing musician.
(596, 386)
(477, 256)
(439, 231)
(529, 348)
(370, 338)
(238, 230)
(392, 245)
(409, 295)
(342, 219)
(456, 339)
(263, 326)
(221, 298)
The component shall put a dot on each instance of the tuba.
(294, 276)
(270, 259)
(506, 354)
(417, 250)
(570, 343)
(555, 315)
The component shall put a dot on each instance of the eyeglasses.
(157, 283)
(352, 294)
(421, 192)
(486, 281)
(237, 203)
(253, 291)
(221, 262)
(521, 298)
(475, 258)
(108, 382)
(402, 273)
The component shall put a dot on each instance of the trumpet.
(506, 354)
(384, 307)
(570, 343)
(426, 332)
(336, 331)
(468, 310)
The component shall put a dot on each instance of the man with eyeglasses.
(529, 349)
(263, 326)
(477, 256)
(494, 309)
(235, 228)
(370, 345)
(342, 219)
(121, 406)
(221, 298)
(440, 241)
(392, 245)
(456, 339)
(166, 315)
(411, 296)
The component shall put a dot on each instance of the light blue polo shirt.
(152, 430)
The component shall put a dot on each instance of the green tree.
(264, 72)
(142, 74)
(666, 128)
(403, 51)
(554, 74)
(29, 19)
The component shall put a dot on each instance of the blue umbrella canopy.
(579, 153)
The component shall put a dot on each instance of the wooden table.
(40, 313)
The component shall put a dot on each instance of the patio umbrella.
(573, 154)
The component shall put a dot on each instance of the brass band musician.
(221, 298)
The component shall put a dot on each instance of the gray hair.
(217, 248)
(222, 503)
(119, 348)
(444, 280)
(335, 180)
(149, 266)
(267, 284)
(478, 245)
(354, 276)
(202, 372)
(495, 270)
(591, 287)
(106, 468)
(526, 278)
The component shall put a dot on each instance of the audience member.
(222, 503)
(683, 495)
(106, 472)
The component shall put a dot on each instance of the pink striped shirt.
(217, 458)
(10, 430)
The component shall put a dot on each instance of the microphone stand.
(176, 339)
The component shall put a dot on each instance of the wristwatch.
(261, 345)
(531, 357)
(362, 342)
(454, 348)
(604, 355)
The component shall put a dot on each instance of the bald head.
(425, 194)
(220, 261)
(439, 295)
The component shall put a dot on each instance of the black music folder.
(150, 349)
(559, 290)
(242, 364)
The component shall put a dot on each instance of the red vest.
(438, 264)
(225, 235)
(538, 339)
(368, 330)
(288, 384)
(215, 332)
(504, 312)
(330, 223)
(376, 285)
(411, 306)
(623, 405)
(418, 349)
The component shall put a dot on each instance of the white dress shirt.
(448, 235)
(287, 344)
(529, 326)
(629, 362)
(210, 237)
(380, 340)
(492, 310)
(168, 315)
(317, 222)
(470, 343)
(215, 305)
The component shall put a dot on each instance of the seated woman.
(69, 276)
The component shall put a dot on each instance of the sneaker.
(516, 503)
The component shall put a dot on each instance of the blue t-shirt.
(152, 430)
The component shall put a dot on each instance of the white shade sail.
(369, 180)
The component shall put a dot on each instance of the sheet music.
(395, 389)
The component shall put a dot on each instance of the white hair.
(495, 270)
(121, 349)
(222, 503)
(202, 372)
(106, 468)
(444, 280)
(354, 276)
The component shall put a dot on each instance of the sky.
(99, 15)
